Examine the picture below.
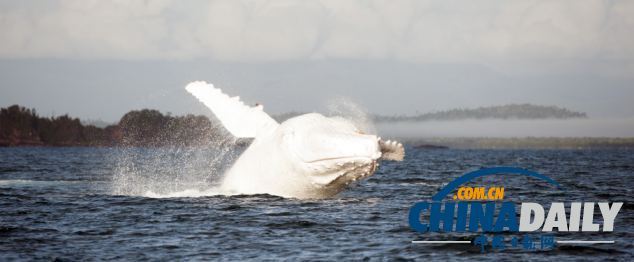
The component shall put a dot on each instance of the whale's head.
(331, 151)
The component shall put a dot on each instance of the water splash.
(177, 170)
(346, 108)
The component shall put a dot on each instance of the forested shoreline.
(20, 126)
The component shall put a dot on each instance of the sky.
(100, 59)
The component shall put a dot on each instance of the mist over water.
(608, 127)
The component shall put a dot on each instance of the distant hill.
(511, 111)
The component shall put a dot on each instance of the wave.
(187, 193)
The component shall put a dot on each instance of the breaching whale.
(307, 156)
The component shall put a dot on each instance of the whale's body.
(307, 156)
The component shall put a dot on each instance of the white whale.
(307, 156)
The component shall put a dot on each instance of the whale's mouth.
(346, 178)
(342, 159)
(336, 172)
(341, 171)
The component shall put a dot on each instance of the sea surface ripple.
(58, 203)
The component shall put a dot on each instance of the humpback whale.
(307, 156)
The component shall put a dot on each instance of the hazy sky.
(99, 59)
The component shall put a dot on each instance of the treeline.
(151, 128)
(511, 111)
(21, 126)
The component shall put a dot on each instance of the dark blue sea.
(72, 204)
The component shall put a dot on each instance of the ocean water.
(71, 204)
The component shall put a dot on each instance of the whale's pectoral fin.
(391, 150)
(241, 120)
